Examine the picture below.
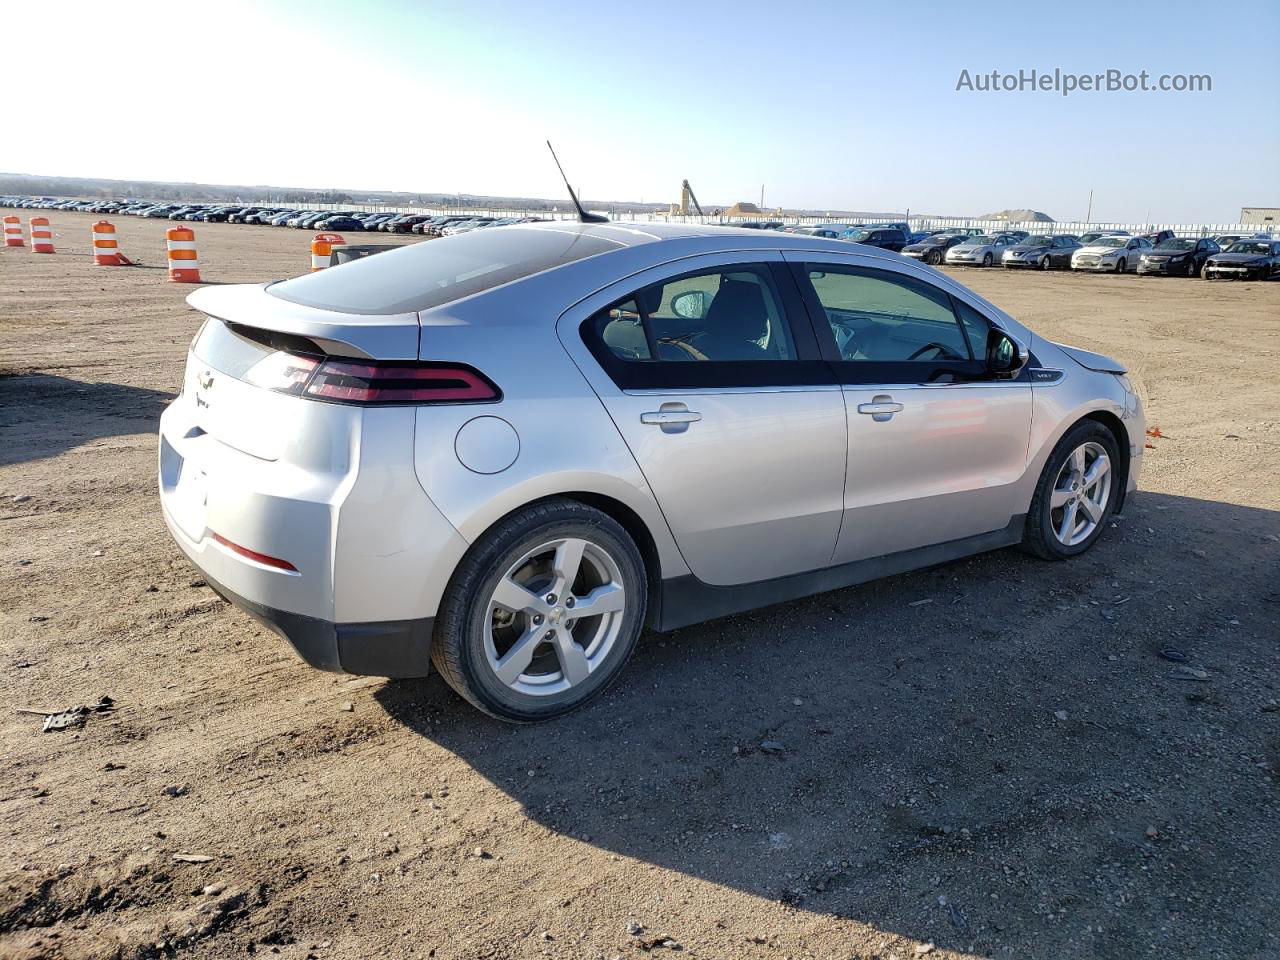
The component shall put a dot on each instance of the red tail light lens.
(346, 381)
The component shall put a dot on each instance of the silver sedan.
(508, 452)
(982, 251)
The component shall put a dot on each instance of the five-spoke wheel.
(543, 611)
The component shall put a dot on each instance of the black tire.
(987, 259)
(1044, 262)
(1038, 537)
(1120, 267)
(458, 644)
(933, 258)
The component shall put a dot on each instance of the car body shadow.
(43, 415)
(955, 770)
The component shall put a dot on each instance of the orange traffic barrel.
(106, 253)
(41, 235)
(322, 245)
(183, 265)
(13, 232)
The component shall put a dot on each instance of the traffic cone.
(41, 235)
(322, 245)
(105, 251)
(13, 232)
(183, 265)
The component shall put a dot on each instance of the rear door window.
(727, 326)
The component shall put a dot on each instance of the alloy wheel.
(1081, 494)
(554, 617)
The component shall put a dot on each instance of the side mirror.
(691, 305)
(1005, 357)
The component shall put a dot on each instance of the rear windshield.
(425, 275)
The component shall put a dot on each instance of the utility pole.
(1088, 217)
(762, 196)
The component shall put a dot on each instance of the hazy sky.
(841, 105)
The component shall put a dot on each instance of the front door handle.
(881, 408)
(671, 417)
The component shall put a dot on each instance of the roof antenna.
(583, 216)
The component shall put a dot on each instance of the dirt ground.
(988, 758)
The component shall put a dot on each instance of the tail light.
(341, 380)
(353, 382)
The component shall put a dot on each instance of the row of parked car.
(1162, 252)
(349, 221)
(1232, 256)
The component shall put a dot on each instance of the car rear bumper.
(399, 649)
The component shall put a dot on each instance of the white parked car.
(1118, 254)
(981, 251)
(510, 451)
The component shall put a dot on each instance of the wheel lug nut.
(569, 602)
(537, 620)
(551, 634)
(551, 598)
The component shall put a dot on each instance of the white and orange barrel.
(183, 265)
(106, 252)
(322, 245)
(13, 232)
(41, 235)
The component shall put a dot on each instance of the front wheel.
(1076, 493)
(986, 259)
(933, 258)
(542, 613)
(1120, 267)
(1044, 262)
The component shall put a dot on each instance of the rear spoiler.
(384, 337)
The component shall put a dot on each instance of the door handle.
(664, 417)
(881, 408)
(671, 417)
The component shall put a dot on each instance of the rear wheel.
(543, 612)
(1076, 493)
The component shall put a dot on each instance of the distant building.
(1260, 214)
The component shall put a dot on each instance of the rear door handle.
(881, 408)
(671, 417)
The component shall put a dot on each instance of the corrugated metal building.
(1260, 215)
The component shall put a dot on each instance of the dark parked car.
(1178, 257)
(933, 248)
(886, 238)
(1042, 252)
(1245, 260)
(1158, 237)
(221, 215)
(339, 222)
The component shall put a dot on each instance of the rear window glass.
(425, 275)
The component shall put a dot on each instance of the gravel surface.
(1012, 769)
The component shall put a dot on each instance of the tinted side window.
(734, 314)
(879, 316)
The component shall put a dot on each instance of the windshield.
(1038, 241)
(1257, 249)
(425, 275)
(1111, 241)
(1178, 243)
